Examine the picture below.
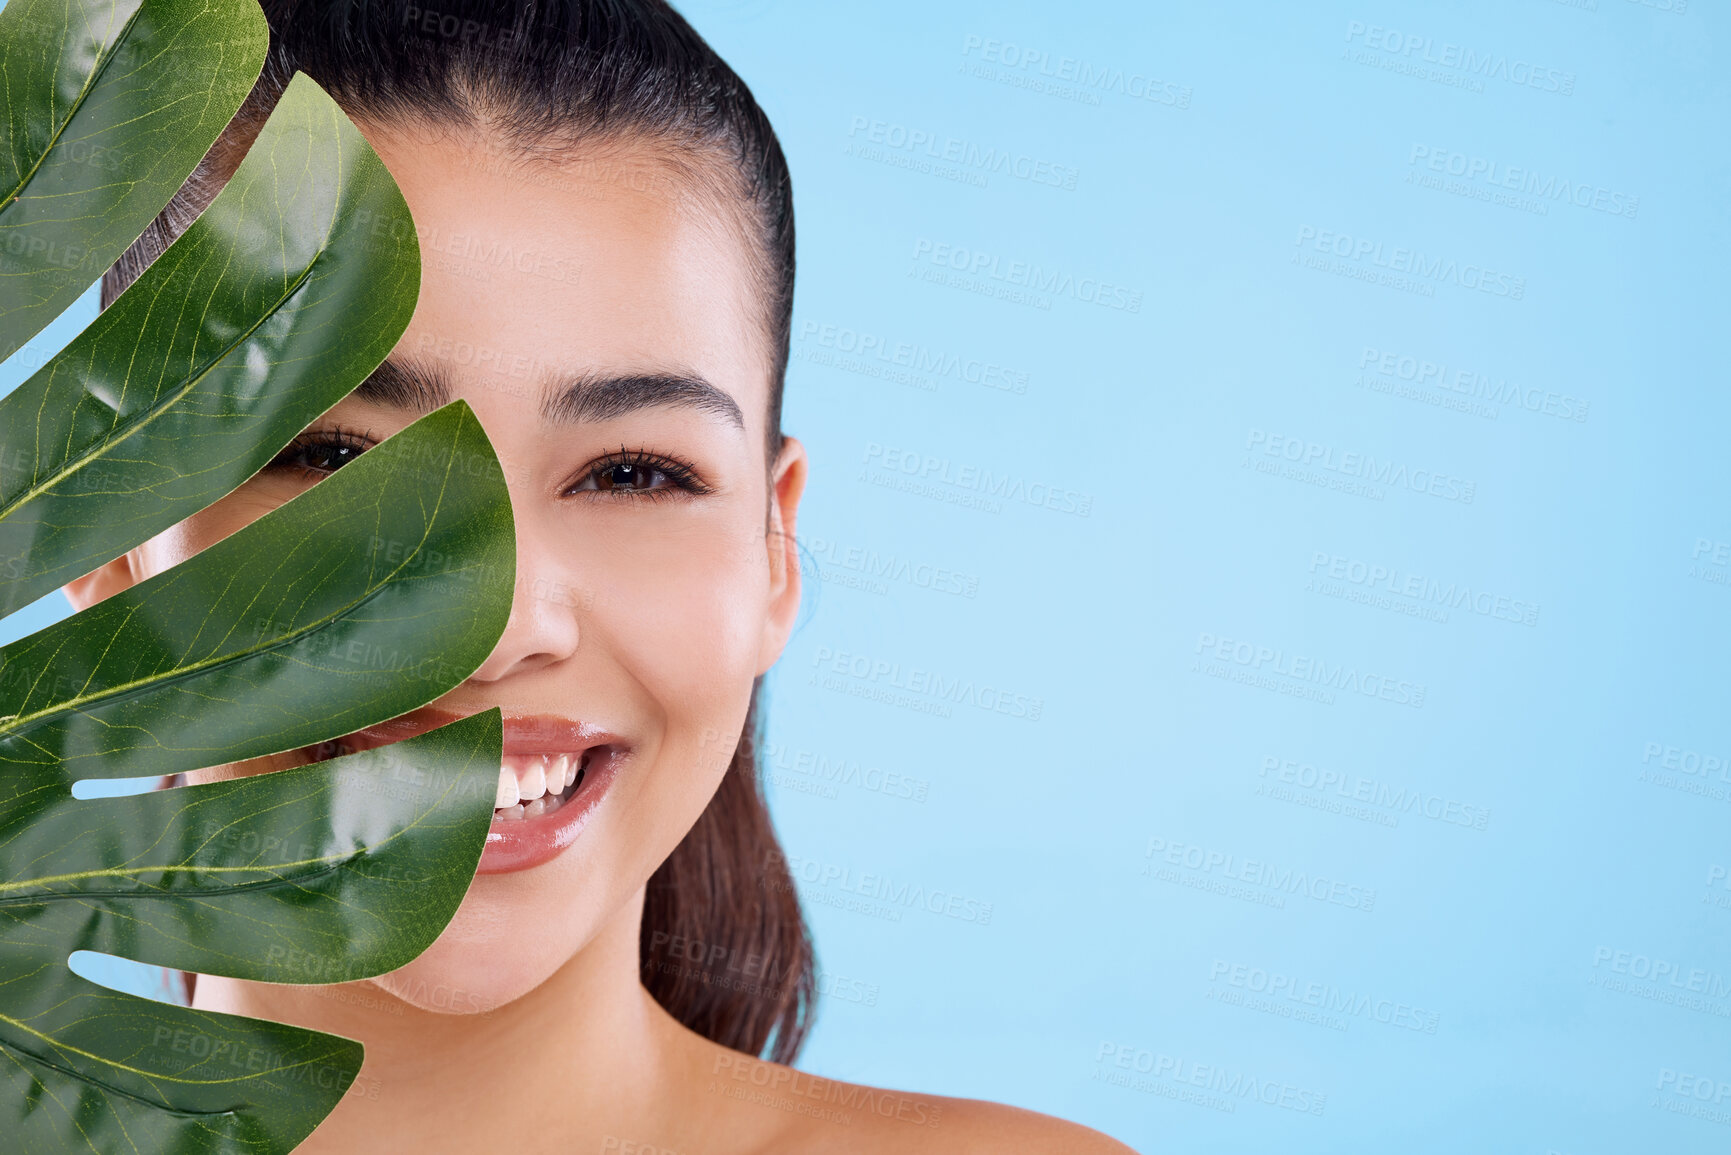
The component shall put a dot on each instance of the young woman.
(607, 241)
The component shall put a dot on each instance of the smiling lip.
(527, 842)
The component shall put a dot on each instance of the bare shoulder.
(770, 1109)
(974, 1125)
(830, 1117)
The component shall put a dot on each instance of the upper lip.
(524, 733)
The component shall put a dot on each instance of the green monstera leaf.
(366, 597)
(287, 291)
(369, 595)
(109, 105)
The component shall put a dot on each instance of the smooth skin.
(641, 606)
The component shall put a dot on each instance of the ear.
(103, 582)
(787, 484)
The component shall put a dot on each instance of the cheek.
(477, 965)
(684, 618)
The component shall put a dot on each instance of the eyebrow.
(591, 396)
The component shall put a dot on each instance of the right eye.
(319, 453)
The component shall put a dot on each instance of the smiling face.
(602, 320)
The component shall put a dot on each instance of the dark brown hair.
(724, 945)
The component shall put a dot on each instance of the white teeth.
(510, 813)
(525, 779)
(532, 780)
(536, 808)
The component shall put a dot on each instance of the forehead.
(596, 264)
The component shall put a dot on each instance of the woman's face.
(655, 572)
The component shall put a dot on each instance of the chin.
(511, 934)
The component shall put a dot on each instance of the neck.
(588, 1049)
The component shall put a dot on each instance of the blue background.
(1077, 824)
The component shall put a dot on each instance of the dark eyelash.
(337, 437)
(682, 474)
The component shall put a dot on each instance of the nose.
(543, 627)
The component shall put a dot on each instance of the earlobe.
(102, 582)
